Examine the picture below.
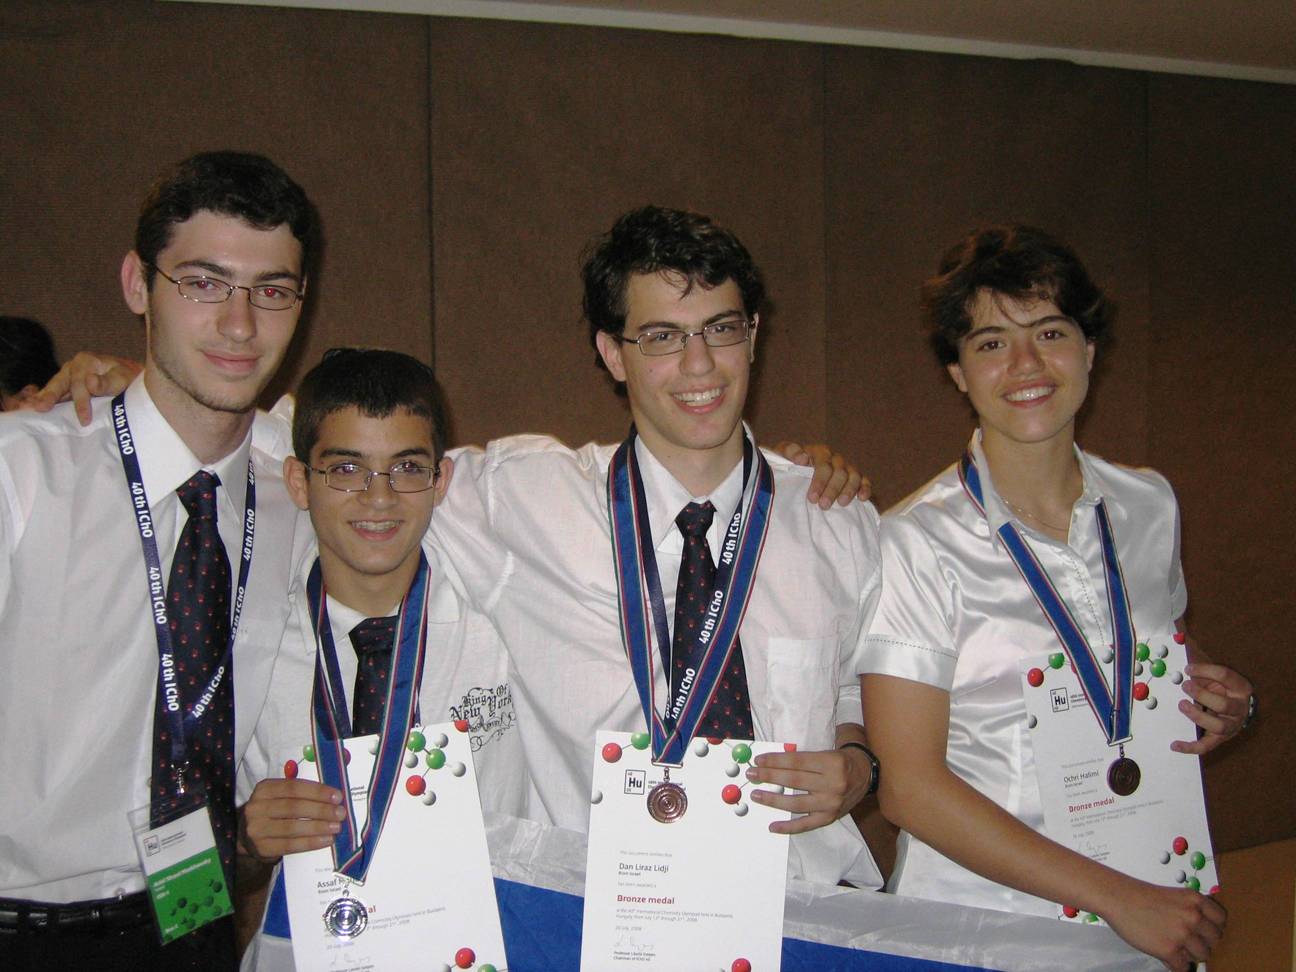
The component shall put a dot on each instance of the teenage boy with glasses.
(92, 632)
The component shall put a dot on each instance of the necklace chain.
(1035, 516)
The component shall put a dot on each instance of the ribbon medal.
(643, 610)
(1111, 705)
(346, 917)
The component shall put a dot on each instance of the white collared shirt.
(526, 524)
(956, 614)
(465, 676)
(78, 653)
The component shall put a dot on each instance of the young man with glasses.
(369, 467)
(144, 558)
(672, 302)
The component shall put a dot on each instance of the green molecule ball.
(1198, 860)
(1194, 883)
(435, 759)
(1158, 668)
(1057, 660)
(639, 740)
(308, 753)
(1142, 652)
(416, 741)
(741, 753)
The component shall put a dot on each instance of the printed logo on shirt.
(489, 713)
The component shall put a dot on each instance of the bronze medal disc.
(346, 918)
(667, 802)
(1123, 776)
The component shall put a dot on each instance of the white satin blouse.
(956, 614)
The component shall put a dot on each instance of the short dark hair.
(247, 186)
(1020, 262)
(375, 382)
(26, 354)
(654, 239)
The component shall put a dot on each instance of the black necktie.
(729, 715)
(198, 609)
(372, 639)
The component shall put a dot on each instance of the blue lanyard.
(638, 581)
(331, 725)
(183, 725)
(1111, 705)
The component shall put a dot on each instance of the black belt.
(45, 918)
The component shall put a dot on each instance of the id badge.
(182, 870)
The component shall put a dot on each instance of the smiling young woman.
(1016, 319)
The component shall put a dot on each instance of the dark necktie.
(198, 609)
(372, 639)
(729, 715)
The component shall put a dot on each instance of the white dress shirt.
(465, 676)
(956, 614)
(78, 654)
(526, 524)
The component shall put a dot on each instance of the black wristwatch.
(875, 768)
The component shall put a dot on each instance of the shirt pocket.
(801, 691)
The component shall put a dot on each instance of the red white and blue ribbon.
(1111, 704)
(353, 848)
(643, 611)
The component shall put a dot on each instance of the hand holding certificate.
(428, 896)
(1134, 805)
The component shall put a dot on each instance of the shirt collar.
(997, 512)
(167, 463)
(666, 495)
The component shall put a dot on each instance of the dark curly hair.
(1017, 261)
(654, 239)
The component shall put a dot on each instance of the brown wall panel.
(1222, 157)
(542, 136)
(920, 148)
(99, 97)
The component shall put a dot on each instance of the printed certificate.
(1138, 806)
(428, 901)
(683, 872)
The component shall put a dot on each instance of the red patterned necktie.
(372, 639)
(729, 715)
(198, 609)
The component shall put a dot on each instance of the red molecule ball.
(1140, 690)
(731, 794)
(1215, 889)
(611, 753)
(346, 756)
(415, 785)
(1179, 637)
(1069, 911)
(787, 748)
(465, 957)
(715, 740)
(1035, 677)
(290, 770)
(461, 725)
(740, 965)
(1180, 845)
